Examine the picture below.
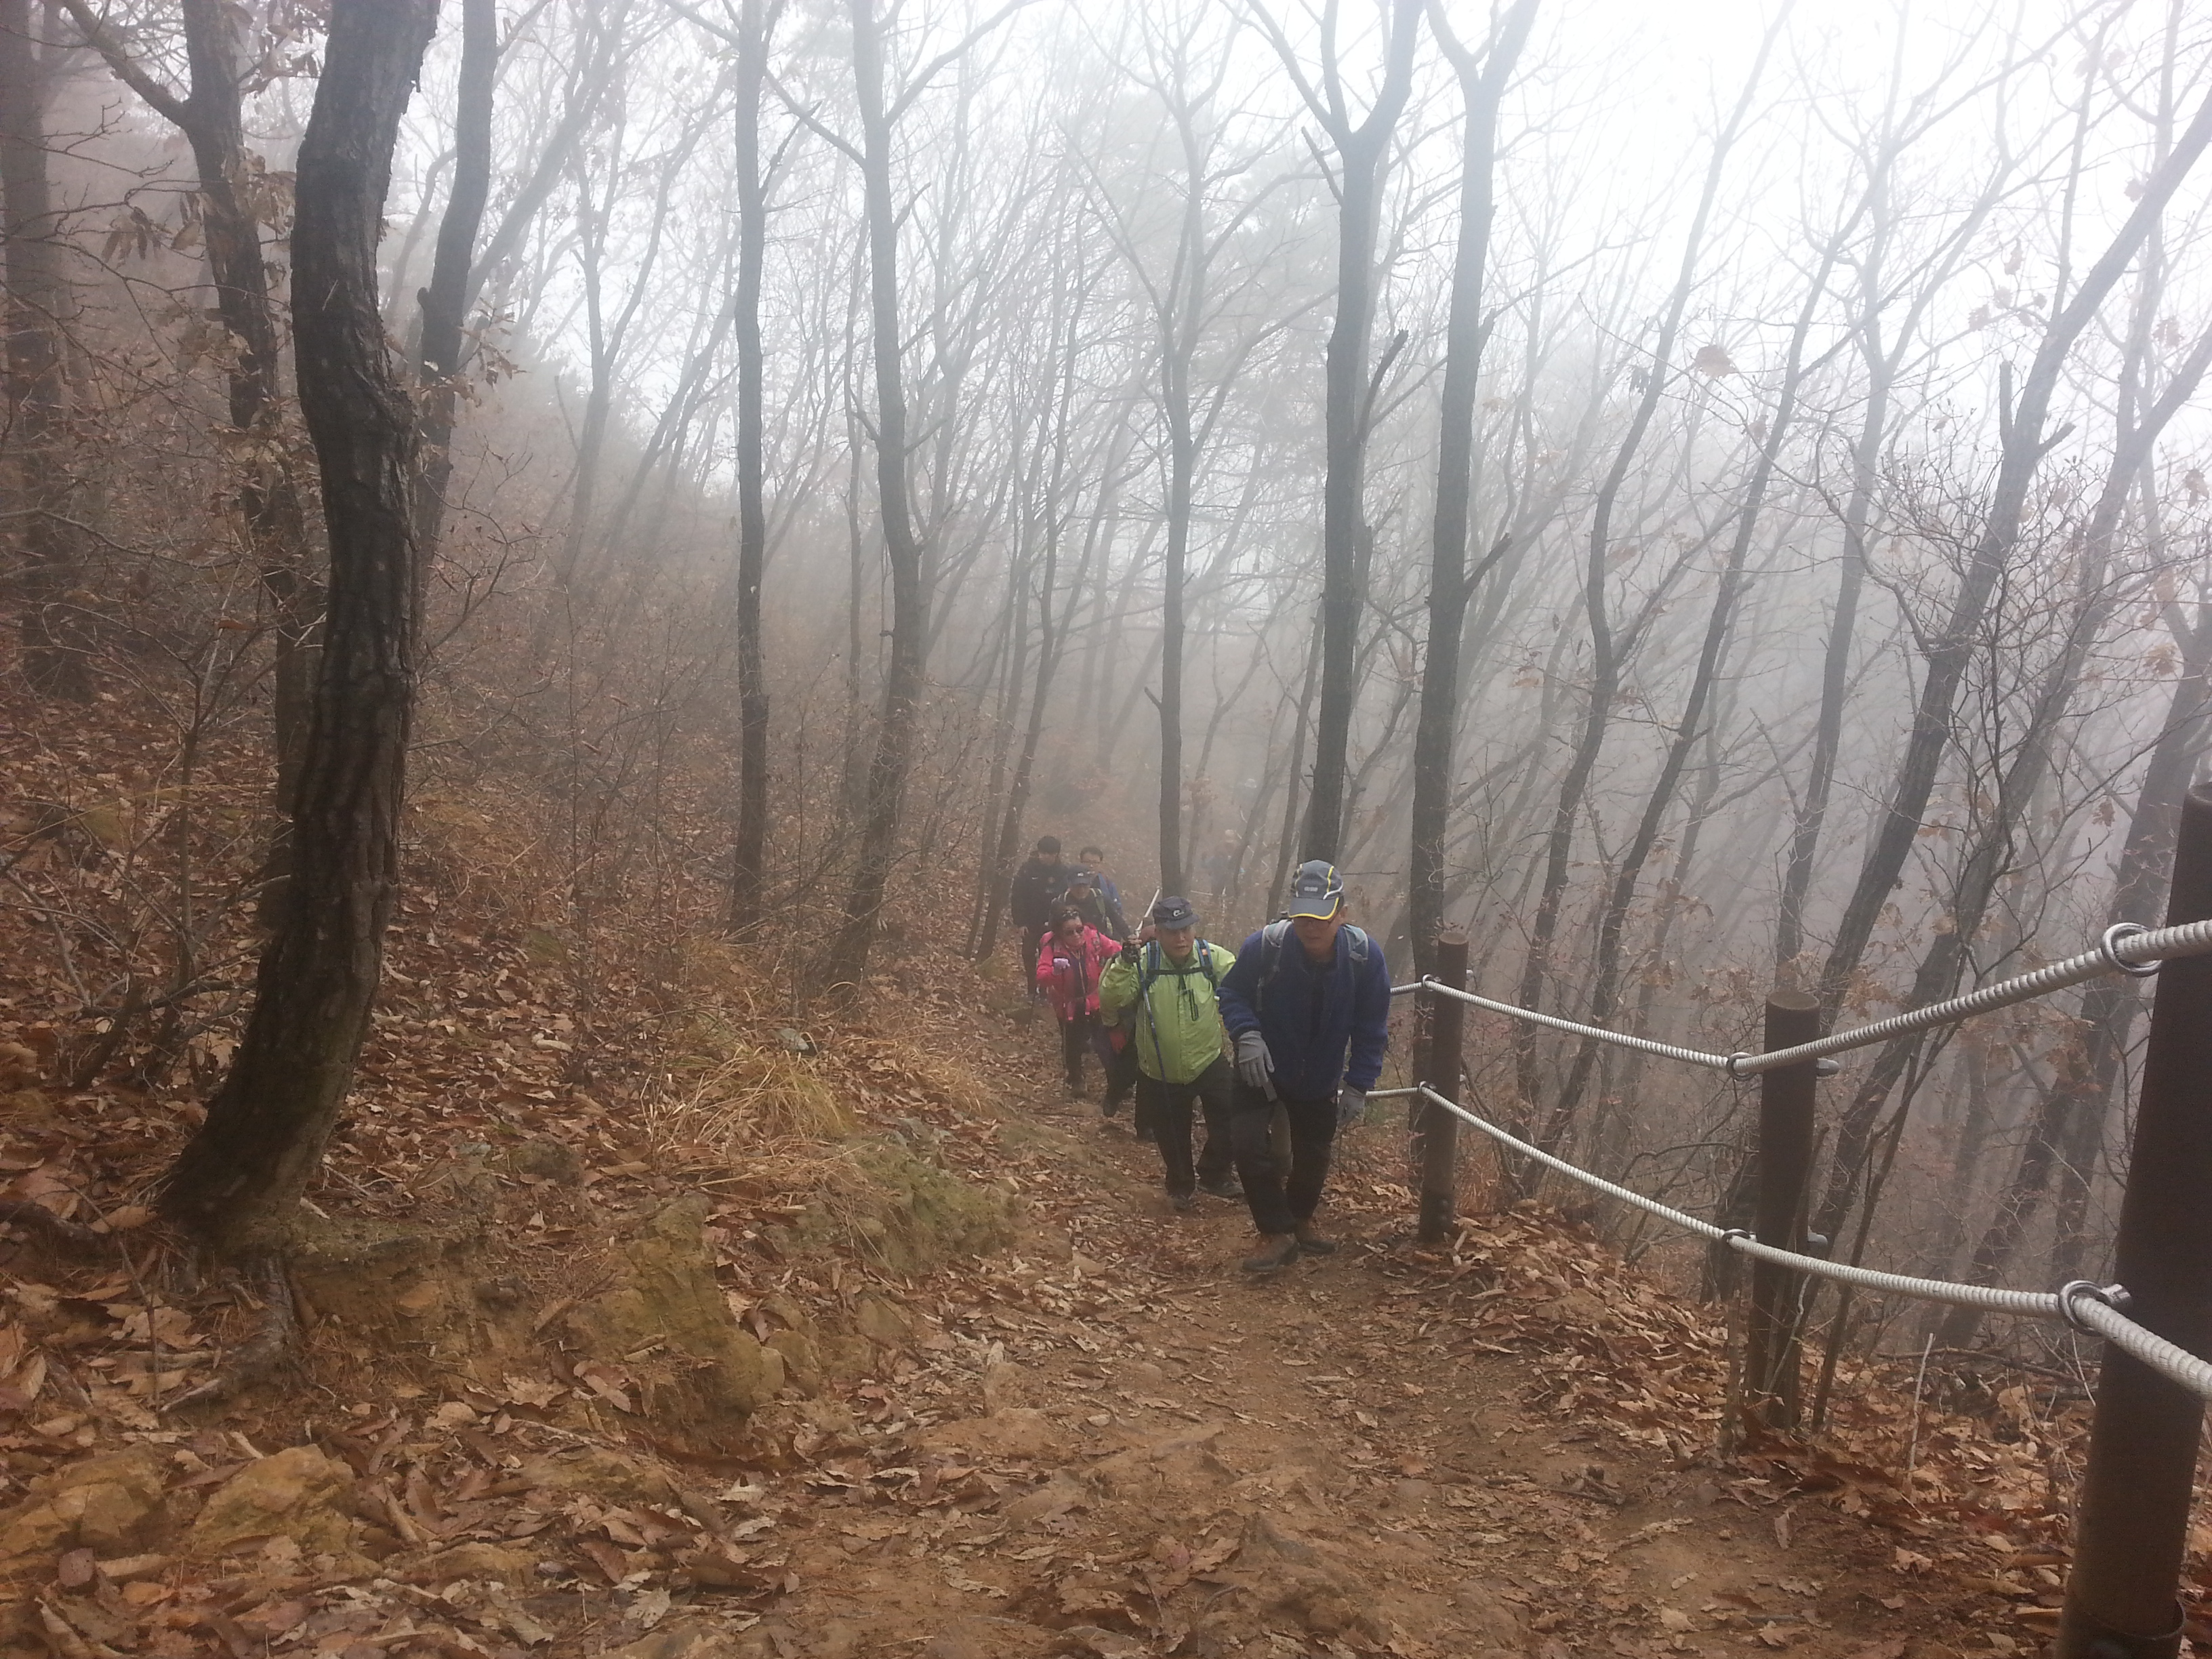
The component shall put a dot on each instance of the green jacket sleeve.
(1117, 986)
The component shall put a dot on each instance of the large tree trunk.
(1435, 728)
(37, 297)
(238, 1181)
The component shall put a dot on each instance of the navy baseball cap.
(1174, 913)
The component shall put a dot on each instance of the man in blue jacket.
(1308, 1007)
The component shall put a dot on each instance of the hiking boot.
(1075, 1088)
(1184, 1203)
(1146, 1135)
(1276, 1252)
(1111, 1106)
(1227, 1187)
(1310, 1242)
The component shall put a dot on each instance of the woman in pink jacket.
(1072, 958)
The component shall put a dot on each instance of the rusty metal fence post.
(1771, 1384)
(1439, 1130)
(2131, 1528)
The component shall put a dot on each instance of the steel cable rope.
(2127, 948)
(2087, 1306)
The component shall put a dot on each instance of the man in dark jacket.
(1036, 888)
(1308, 1009)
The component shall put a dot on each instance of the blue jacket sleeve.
(1235, 990)
(1371, 1021)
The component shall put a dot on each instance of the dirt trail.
(1135, 1448)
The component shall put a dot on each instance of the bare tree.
(38, 299)
(1482, 82)
(1362, 147)
(236, 1183)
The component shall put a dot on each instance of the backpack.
(1271, 955)
(1151, 967)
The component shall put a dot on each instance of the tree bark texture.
(1362, 152)
(444, 317)
(1436, 727)
(902, 549)
(238, 1181)
(37, 300)
(748, 856)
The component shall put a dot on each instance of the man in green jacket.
(1161, 992)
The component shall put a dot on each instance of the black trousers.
(1077, 1035)
(1280, 1198)
(1166, 1108)
(1121, 1075)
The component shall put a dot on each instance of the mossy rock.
(929, 1215)
(703, 1375)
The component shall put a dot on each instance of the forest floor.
(637, 1319)
(1098, 1439)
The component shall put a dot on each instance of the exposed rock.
(879, 1322)
(597, 1472)
(486, 1561)
(1487, 1620)
(1295, 1576)
(705, 1375)
(111, 1506)
(299, 1493)
(1017, 1433)
(690, 1640)
(548, 1160)
(1056, 1498)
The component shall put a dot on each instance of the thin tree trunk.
(903, 549)
(438, 363)
(37, 299)
(757, 19)
(238, 1181)
(1950, 647)
(1605, 665)
(1436, 728)
(1362, 153)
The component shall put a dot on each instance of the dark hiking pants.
(1166, 1109)
(1281, 1197)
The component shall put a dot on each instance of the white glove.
(1062, 965)
(1351, 1106)
(1254, 1064)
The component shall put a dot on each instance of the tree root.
(272, 1343)
(70, 1237)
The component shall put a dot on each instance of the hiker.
(1087, 893)
(1163, 989)
(1220, 866)
(1037, 888)
(1110, 893)
(1069, 964)
(1308, 1009)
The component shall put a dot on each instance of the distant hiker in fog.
(1308, 1007)
(1070, 963)
(1221, 867)
(1163, 990)
(1037, 888)
(1085, 891)
(1093, 860)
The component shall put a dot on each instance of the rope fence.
(2137, 1484)
(2128, 948)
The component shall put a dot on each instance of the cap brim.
(1312, 914)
